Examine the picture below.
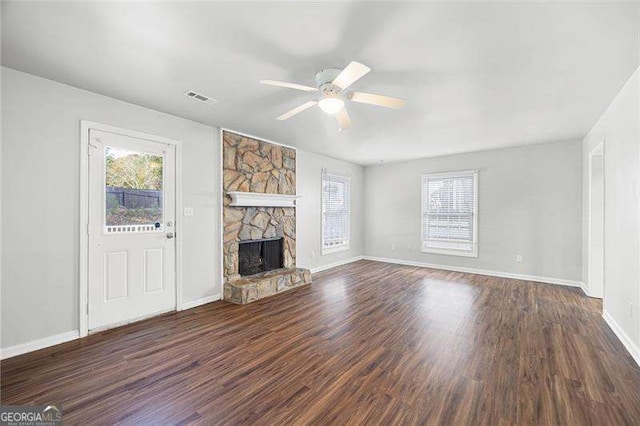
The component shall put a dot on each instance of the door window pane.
(133, 191)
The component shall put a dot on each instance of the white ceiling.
(475, 76)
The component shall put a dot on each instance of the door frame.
(595, 151)
(85, 127)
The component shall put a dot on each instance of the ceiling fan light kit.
(332, 84)
(331, 105)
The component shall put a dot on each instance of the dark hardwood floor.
(366, 343)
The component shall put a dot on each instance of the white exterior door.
(132, 255)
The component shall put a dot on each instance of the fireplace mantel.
(256, 199)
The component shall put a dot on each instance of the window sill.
(451, 252)
(337, 249)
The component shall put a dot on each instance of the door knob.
(169, 235)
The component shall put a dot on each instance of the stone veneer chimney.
(251, 165)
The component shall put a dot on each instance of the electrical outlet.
(188, 211)
(313, 254)
(518, 258)
(631, 309)
(393, 247)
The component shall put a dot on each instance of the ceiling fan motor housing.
(324, 80)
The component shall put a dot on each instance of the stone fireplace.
(259, 216)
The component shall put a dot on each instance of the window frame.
(346, 245)
(451, 251)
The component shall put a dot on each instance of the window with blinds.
(449, 213)
(335, 212)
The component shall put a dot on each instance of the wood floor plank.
(366, 343)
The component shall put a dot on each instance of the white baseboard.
(199, 302)
(547, 280)
(624, 337)
(334, 264)
(584, 289)
(37, 344)
(57, 339)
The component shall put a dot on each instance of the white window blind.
(449, 213)
(335, 212)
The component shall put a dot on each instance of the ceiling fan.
(332, 85)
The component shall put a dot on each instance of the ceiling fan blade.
(289, 85)
(379, 100)
(297, 110)
(342, 117)
(350, 74)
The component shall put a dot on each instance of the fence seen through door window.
(133, 190)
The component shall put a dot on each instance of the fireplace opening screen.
(259, 256)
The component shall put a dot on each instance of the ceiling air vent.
(200, 97)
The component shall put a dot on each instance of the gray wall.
(40, 192)
(309, 217)
(530, 201)
(619, 127)
(41, 195)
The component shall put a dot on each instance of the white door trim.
(85, 127)
(597, 150)
(221, 210)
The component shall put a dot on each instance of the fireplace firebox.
(259, 256)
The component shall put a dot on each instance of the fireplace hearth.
(258, 256)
